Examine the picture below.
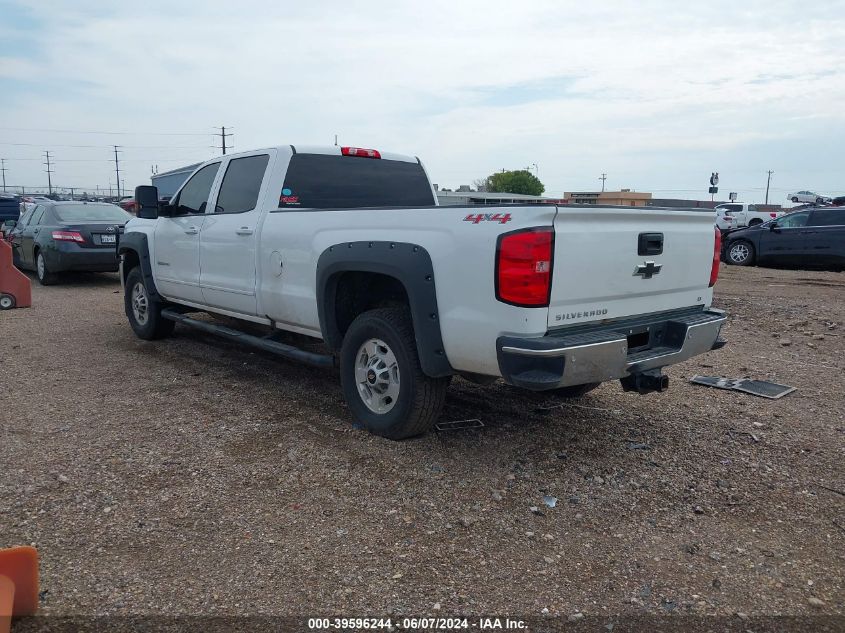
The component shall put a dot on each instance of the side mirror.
(146, 201)
(774, 227)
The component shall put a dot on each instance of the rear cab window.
(326, 181)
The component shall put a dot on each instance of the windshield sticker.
(288, 198)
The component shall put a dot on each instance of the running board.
(274, 347)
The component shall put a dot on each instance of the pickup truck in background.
(347, 246)
(742, 214)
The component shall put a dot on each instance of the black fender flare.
(410, 265)
(137, 243)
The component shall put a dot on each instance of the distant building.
(625, 197)
(452, 198)
(168, 182)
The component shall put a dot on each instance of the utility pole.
(223, 136)
(3, 169)
(49, 173)
(768, 182)
(603, 178)
(117, 170)
(335, 140)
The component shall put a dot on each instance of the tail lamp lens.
(717, 252)
(524, 267)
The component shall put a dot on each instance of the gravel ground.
(191, 476)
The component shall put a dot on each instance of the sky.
(656, 94)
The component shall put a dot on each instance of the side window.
(828, 217)
(193, 197)
(241, 184)
(752, 208)
(25, 218)
(794, 220)
(37, 215)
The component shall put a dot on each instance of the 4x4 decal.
(501, 218)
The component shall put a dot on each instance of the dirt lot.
(191, 476)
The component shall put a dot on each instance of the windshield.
(91, 213)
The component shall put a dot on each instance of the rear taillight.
(774, 215)
(717, 254)
(524, 261)
(360, 152)
(68, 236)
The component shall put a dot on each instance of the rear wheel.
(144, 312)
(7, 302)
(381, 376)
(741, 253)
(45, 277)
(755, 222)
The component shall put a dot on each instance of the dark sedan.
(810, 238)
(54, 237)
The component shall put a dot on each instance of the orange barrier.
(15, 288)
(18, 584)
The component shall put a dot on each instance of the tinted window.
(194, 195)
(828, 217)
(37, 215)
(320, 181)
(241, 184)
(794, 220)
(25, 218)
(91, 213)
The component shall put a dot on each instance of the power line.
(33, 129)
(101, 146)
(603, 178)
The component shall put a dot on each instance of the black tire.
(7, 301)
(755, 222)
(420, 398)
(45, 277)
(575, 391)
(819, 200)
(147, 324)
(795, 199)
(740, 253)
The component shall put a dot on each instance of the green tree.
(520, 181)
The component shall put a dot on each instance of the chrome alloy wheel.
(377, 376)
(739, 253)
(140, 304)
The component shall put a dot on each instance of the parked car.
(745, 214)
(807, 197)
(54, 237)
(724, 220)
(839, 201)
(128, 204)
(10, 207)
(349, 246)
(811, 238)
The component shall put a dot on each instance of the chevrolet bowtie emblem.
(648, 270)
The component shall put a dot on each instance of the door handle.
(192, 230)
(244, 230)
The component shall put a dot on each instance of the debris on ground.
(459, 425)
(550, 500)
(762, 388)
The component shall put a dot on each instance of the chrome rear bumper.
(607, 352)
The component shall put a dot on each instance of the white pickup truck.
(738, 215)
(347, 246)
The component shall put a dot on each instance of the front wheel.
(382, 380)
(795, 198)
(7, 302)
(144, 312)
(741, 253)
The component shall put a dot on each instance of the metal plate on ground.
(762, 388)
(459, 425)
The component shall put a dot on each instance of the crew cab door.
(176, 256)
(229, 238)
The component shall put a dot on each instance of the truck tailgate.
(599, 273)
